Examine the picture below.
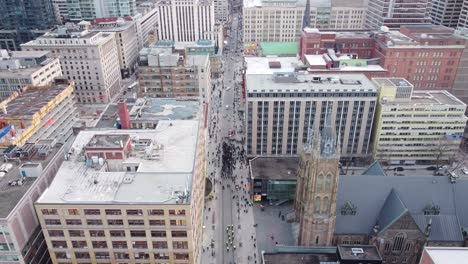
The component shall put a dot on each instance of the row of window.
(113, 233)
(116, 222)
(116, 244)
(120, 255)
(139, 212)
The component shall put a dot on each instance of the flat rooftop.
(359, 252)
(285, 3)
(164, 158)
(392, 82)
(443, 255)
(11, 195)
(164, 109)
(22, 107)
(308, 82)
(107, 141)
(299, 258)
(435, 97)
(274, 168)
(260, 65)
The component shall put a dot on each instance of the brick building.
(426, 55)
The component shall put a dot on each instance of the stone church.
(399, 215)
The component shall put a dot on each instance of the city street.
(229, 232)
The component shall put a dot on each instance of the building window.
(52, 222)
(179, 233)
(114, 222)
(159, 256)
(348, 209)
(139, 244)
(158, 233)
(96, 233)
(79, 244)
(134, 212)
(177, 212)
(119, 244)
(157, 222)
(137, 233)
(76, 233)
(99, 244)
(59, 244)
(73, 221)
(155, 212)
(49, 211)
(180, 245)
(328, 183)
(178, 222)
(56, 233)
(159, 244)
(317, 205)
(117, 233)
(92, 211)
(94, 222)
(325, 205)
(113, 212)
(73, 212)
(183, 256)
(136, 222)
(398, 242)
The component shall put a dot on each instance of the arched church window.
(328, 183)
(325, 205)
(318, 186)
(317, 205)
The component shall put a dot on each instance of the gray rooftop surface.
(164, 109)
(163, 178)
(411, 194)
(274, 168)
(11, 195)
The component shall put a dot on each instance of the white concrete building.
(446, 13)
(285, 107)
(147, 23)
(128, 196)
(463, 19)
(186, 21)
(273, 21)
(22, 68)
(337, 14)
(90, 9)
(126, 37)
(88, 58)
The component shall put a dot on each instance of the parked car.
(464, 170)
(399, 169)
(431, 168)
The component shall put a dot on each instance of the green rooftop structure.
(279, 48)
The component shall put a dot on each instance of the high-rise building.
(284, 107)
(273, 21)
(336, 14)
(89, 58)
(61, 8)
(128, 196)
(446, 13)
(186, 21)
(88, 10)
(463, 20)
(221, 10)
(22, 21)
(416, 127)
(395, 13)
(126, 37)
(166, 72)
(146, 22)
(19, 69)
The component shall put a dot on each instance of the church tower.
(317, 183)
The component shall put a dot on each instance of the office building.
(416, 127)
(88, 10)
(126, 37)
(336, 14)
(128, 196)
(38, 113)
(186, 21)
(393, 14)
(146, 22)
(446, 13)
(88, 58)
(23, 68)
(22, 21)
(428, 56)
(221, 10)
(284, 107)
(442, 255)
(28, 171)
(463, 20)
(166, 72)
(61, 9)
(398, 215)
(273, 21)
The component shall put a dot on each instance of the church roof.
(392, 210)
(375, 169)
(373, 201)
